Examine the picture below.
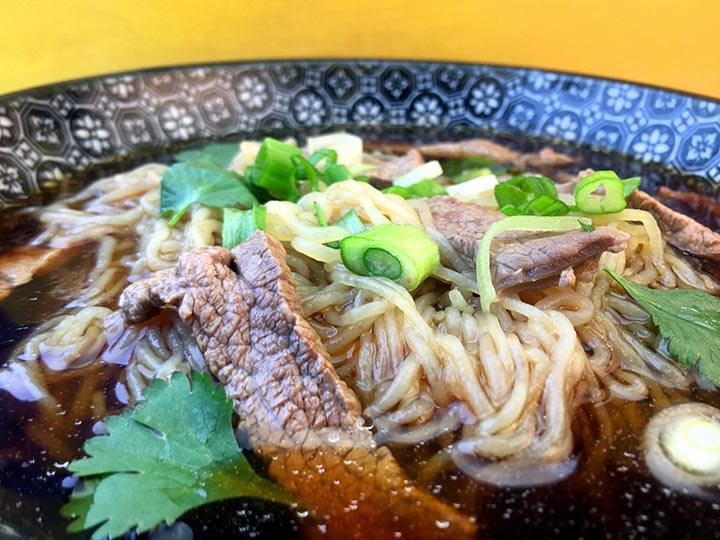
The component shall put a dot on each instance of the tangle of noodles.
(504, 385)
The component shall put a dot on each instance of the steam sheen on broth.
(547, 391)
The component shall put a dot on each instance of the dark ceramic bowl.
(79, 129)
(52, 138)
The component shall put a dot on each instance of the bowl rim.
(47, 87)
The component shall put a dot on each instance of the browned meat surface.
(244, 311)
(702, 208)
(519, 258)
(21, 264)
(545, 160)
(389, 168)
(567, 184)
(679, 230)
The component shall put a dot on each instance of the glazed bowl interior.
(57, 138)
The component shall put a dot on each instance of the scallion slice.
(429, 170)
(402, 253)
(274, 169)
(529, 196)
(336, 172)
(602, 192)
(330, 156)
(521, 223)
(423, 188)
(238, 225)
(305, 170)
(351, 221)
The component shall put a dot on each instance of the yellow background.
(667, 43)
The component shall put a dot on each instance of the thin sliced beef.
(389, 168)
(545, 160)
(702, 208)
(294, 410)
(518, 258)
(22, 264)
(679, 230)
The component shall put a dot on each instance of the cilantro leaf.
(186, 183)
(173, 452)
(220, 154)
(689, 319)
(80, 502)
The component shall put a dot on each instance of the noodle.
(501, 386)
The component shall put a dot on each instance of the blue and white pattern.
(49, 133)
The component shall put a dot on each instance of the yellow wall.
(667, 43)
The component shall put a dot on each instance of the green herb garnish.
(402, 253)
(688, 319)
(429, 170)
(217, 154)
(461, 170)
(350, 221)
(185, 183)
(238, 225)
(586, 226)
(337, 172)
(274, 170)
(529, 196)
(603, 192)
(418, 190)
(173, 452)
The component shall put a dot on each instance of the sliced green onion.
(473, 186)
(464, 169)
(351, 222)
(586, 226)
(360, 169)
(694, 443)
(429, 170)
(541, 206)
(471, 174)
(274, 169)
(336, 173)
(630, 185)
(521, 223)
(238, 225)
(529, 196)
(330, 157)
(349, 147)
(403, 253)
(304, 170)
(322, 220)
(423, 188)
(591, 199)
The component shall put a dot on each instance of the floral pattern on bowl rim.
(48, 132)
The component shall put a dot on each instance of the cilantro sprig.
(220, 154)
(688, 319)
(187, 183)
(175, 451)
(279, 172)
